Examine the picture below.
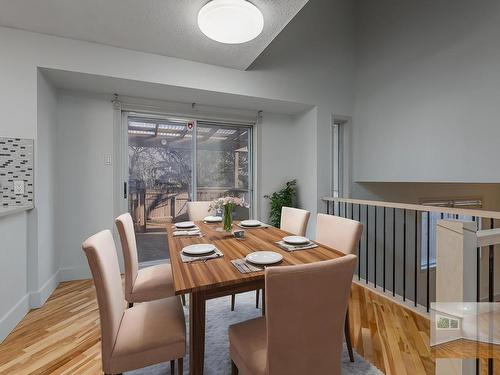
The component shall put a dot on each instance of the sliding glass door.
(223, 163)
(175, 160)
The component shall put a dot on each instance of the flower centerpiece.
(227, 205)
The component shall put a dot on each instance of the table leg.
(196, 333)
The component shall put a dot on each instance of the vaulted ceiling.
(164, 27)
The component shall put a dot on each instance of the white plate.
(199, 249)
(250, 223)
(264, 257)
(213, 219)
(296, 240)
(184, 224)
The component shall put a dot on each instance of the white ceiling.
(165, 27)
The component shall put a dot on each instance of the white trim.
(38, 298)
(12, 318)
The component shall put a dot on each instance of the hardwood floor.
(391, 337)
(63, 336)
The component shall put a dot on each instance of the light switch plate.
(18, 187)
(107, 159)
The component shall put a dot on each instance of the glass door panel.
(223, 158)
(160, 179)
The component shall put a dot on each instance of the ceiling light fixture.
(230, 21)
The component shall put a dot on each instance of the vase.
(228, 217)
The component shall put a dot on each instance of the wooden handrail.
(418, 207)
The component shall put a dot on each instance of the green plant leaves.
(279, 199)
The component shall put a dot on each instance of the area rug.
(219, 318)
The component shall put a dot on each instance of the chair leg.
(257, 297)
(130, 304)
(180, 363)
(233, 301)
(234, 369)
(172, 367)
(183, 298)
(347, 333)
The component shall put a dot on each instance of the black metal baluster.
(428, 260)
(328, 207)
(393, 251)
(385, 217)
(478, 259)
(404, 254)
(367, 232)
(333, 208)
(352, 212)
(359, 245)
(491, 286)
(345, 208)
(415, 292)
(375, 252)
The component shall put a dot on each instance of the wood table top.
(220, 272)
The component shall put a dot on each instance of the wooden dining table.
(219, 277)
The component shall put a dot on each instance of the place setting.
(251, 224)
(257, 261)
(212, 219)
(186, 229)
(295, 243)
(200, 253)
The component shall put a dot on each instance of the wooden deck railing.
(394, 254)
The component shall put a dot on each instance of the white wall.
(287, 145)
(85, 183)
(427, 91)
(13, 263)
(44, 262)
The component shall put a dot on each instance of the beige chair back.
(338, 233)
(103, 262)
(305, 310)
(294, 220)
(198, 210)
(125, 226)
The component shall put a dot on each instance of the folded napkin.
(291, 248)
(201, 258)
(245, 267)
(187, 233)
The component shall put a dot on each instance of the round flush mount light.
(230, 21)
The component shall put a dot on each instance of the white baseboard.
(38, 298)
(74, 273)
(10, 320)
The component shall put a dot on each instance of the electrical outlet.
(19, 187)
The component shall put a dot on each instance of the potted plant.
(279, 199)
(227, 205)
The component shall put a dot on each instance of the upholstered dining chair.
(146, 284)
(340, 234)
(143, 335)
(198, 210)
(302, 330)
(294, 221)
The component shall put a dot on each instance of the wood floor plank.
(63, 336)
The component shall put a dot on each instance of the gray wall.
(85, 194)
(427, 91)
